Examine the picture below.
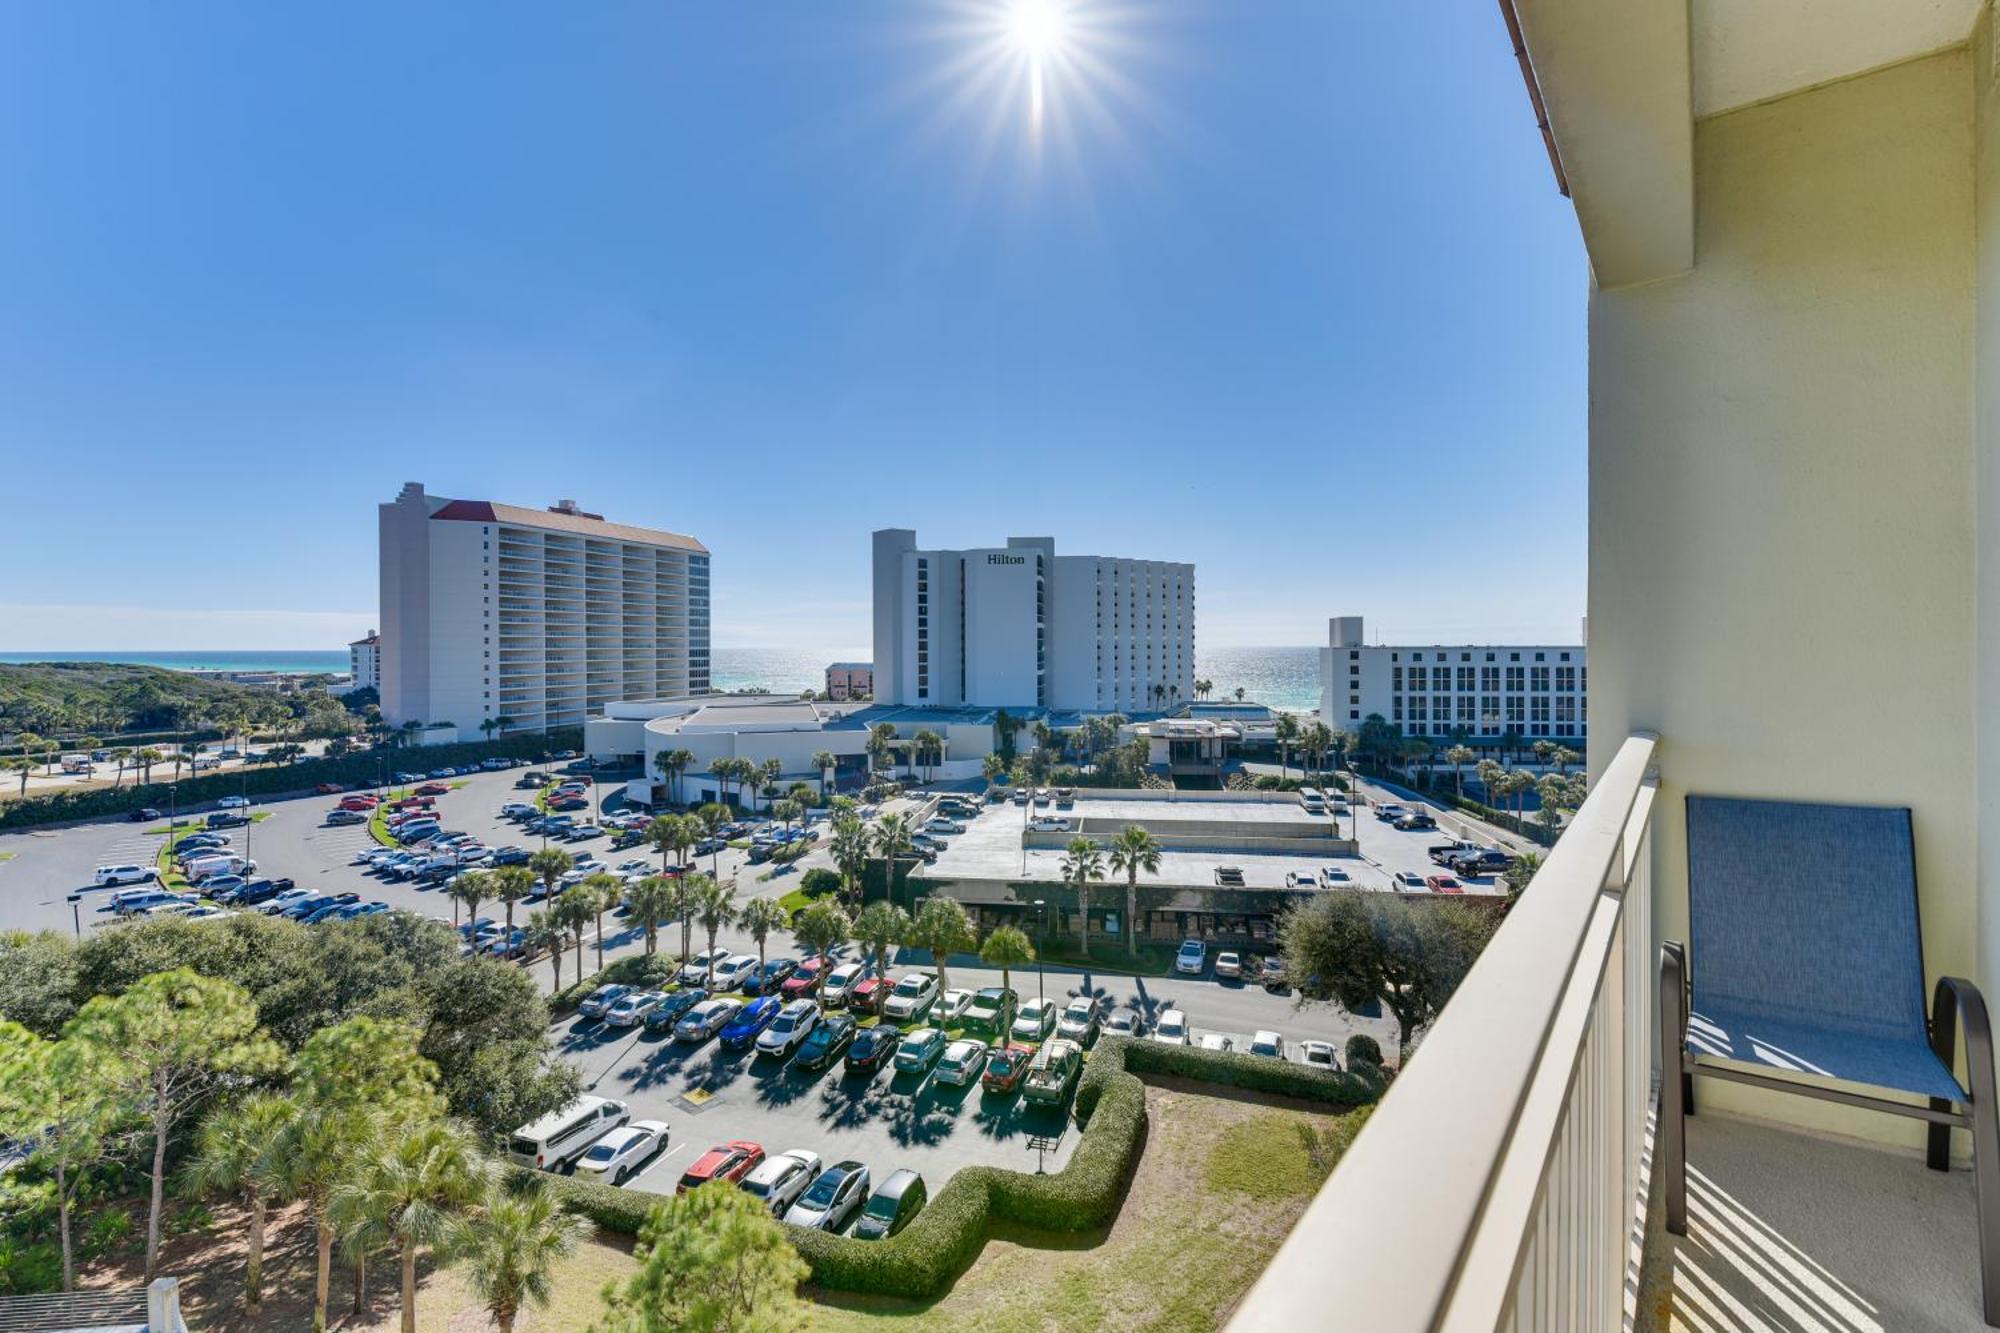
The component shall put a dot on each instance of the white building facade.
(1020, 627)
(533, 617)
(1440, 691)
(364, 662)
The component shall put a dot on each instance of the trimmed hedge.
(925, 1258)
(617, 1210)
(651, 971)
(1363, 1049)
(357, 767)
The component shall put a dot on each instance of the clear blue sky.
(1284, 289)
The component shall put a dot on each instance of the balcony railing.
(1498, 1185)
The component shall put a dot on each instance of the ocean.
(1285, 677)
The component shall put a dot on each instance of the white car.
(1410, 879)
(1320, 1054)
(112, 876)
(1228, 964)
(943, 826)
(962, 1062)
(780, 1180)
(598, 1002)
(284, 900)
(1192, 958)
(176, 908)
(1081, 1019)
(1216, 1041)
(233, 802)
(833, 1197)
(952, 1006)
(1172, 1028)
(838, 983)
(706, 1019)
(1125, 1023)
(614, 1158)
(630, 1010)
(733, 970)
(1268, 1043)
(1048, 824)
(1035, 1021)
(912, 998)
(788, 1029)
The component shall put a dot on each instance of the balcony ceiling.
(1754, 50)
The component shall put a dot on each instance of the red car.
(329, 789)
(730, 1161)
(1006, 1067)
(433, 789)
(413, 803)
(868, 997)
(1443, 884)
(362, 803)
(805, 981)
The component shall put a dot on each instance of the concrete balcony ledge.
(1793, 1231)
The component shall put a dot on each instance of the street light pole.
(1039, 905)
(75, 919)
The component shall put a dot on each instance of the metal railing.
(1495, 1187)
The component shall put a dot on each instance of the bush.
(1235, 1069)
(1363, 1049)
(819, 881)
(650, 971)
(613, 1209)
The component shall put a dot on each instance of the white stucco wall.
(1781, 451)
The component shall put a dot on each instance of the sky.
(1280, 287)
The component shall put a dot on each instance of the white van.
(76, 763)
(208, 867)
(560, 1137)
(1313, 800)
(112, 876)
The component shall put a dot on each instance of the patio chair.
(1805, 961)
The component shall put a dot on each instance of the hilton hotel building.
(539, 616)
(1023, 628)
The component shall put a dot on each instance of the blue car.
(353, 910)
(751, 1020)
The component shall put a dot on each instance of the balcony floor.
(1788, 1231)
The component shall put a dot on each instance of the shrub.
(650, 971)
(613, 1209)
(819, 881)
(1363, 1049)
(1234, 1069)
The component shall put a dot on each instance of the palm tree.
(413, 1180)
(881, 926)
(1133, 850)
(761, 916)
(821, 927)
(472, 888)
(1007, 947)
(1458, 756)
(675, 834)
(1239, 694)
(892, 840)
(510, 885)
(235, 1152)
(147, 757)
(603, 892)
(546, 931)
(881, 739)
(22, 765)
(942, 927)
(1083, 865)
(713, 815)
(770, 770)
(1286, 728)
(928, 747)
(1488, 771)
(786, 811)
(575, 910)
(683, 894)
(823, 762)
(671, 764)
(714, 908)
(722, 770)
(993, 768)
(849, 848)
(651, 900)
(512, 1244)
(118, 756)
(549, 865)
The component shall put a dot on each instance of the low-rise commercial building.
(850, 680)
(1477, 692)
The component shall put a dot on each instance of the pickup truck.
(1482, 861)
(1442, 853)
(1053, 1073)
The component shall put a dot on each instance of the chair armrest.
(1673, 997)
(1956, 1003)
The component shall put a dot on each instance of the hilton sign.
(1006, 560)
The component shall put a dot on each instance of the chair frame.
(1955, 1003)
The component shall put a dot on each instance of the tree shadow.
(850, 1101)
(923, 1120)
(783, 1084)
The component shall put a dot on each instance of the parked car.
(1271, 975)
(1320, 1054)
(1081, 1019)
(143, 814)
(952, 1006)
(1172, 1028)
(920, 1050)
(1125, 1023)
(112, 876)
(831, 1199)
(631, 1009)
(873, 1047)
(734, 969)
(674, 1008)
(751, 1022)
(962, 1062)
(869, 995)
(1408, 879)
(839, 982)
(1053, 1073)
(1006, 1066)
(598, 1001)
(1048, 824)
(771, 978)
(1192, 958)
(619, 1155)
(1229, 964)
(912, 998)
(804, 981)
(226, 819)
(1036, 1020)
(706, 1019)
(728, 1161)
(1389, 814)
(892, 1207)
(1333, 876)
(1268, 1043)
(1481, 862)
(1443, 884)
(780, 1180)
(1217, 1041)
(942, 825)
(790, 1027)
(1301, 879)
(337, 817)
(828, 1040)
(560, 1137)
(992, 1011)
(233, 802)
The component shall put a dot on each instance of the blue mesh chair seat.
(1804, 963)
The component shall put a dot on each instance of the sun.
(1035, 27)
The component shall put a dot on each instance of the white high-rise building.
(364, 661)
(1021, 627)
(1438, 691)
(537, 616)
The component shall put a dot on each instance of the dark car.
(750, 1020)
(826, 1043)
(771, 979)
(227, 819)
(992, 1012)
(674, 1008)
(872, 1048)
(143, 813)
(892, 1207)
(258, 891)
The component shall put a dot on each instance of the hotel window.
(1516, 710)
(1417, 679)
(1514, 678)
(1354, 654)
(1465, 679)
(1489, 709)
(1538, 679)
(1565, 709)
(1397, 715)
(1396, 678)
(1353, 670)
(1513, 657)
(1566, 679)
(1465, 710)
(1353, 714)
(1354, 698)
(1489, 679)
(1419, 709)
(1539, 713)
(1441, 710)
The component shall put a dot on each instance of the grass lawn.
(194, 824)
(1154, 960)
(1221, 1182)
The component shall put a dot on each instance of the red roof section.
(475, 511)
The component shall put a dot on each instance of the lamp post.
(75, 919)
(1040, 903)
